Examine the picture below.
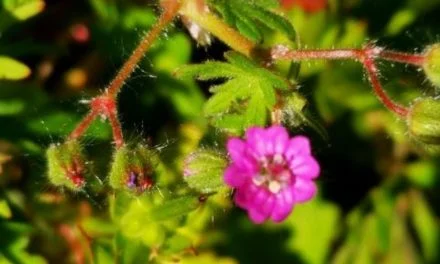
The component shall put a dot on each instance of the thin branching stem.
(105, 104)
(366, 56)
(170, 10)
(83, 125)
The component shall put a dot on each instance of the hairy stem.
(105, 104)
(116, 128)
(198, 12)
(366, 56)
(401, 57)
(170, 10)
(372, 71)
(83, 125)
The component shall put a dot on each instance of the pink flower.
(271, 172)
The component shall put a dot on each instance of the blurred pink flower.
(271, 172)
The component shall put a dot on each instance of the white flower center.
(274, 174)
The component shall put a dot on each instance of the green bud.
(424, 123)
(203, 170)
(431, 64)
(65, 163)
(292, 111)
(133, 168)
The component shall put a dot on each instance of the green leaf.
(175, 208)
(250, 17)
(106, 10)
(315, 228)
(11, 69)
(246, 96)
(23, 9)
(425, 223)
(11, 107)
(13, 243)
(5, 211)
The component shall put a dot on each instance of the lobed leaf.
(249, 16)
(243, 100)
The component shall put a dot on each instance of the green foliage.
(204, 169)
(13, 244)
(11, 69)
(5, 211)
(316, 227)
(250, 17)
(18, 10)
(388, 214)
(246, 96)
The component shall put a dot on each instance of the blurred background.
(379, 193)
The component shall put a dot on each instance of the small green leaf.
(23, 9)
(175, 208)
(425, 223)
(5, 211)
(247, 95)
(249, 17)
(11, 107)
(11, 69)
(315, 228)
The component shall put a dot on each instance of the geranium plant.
(252, 139)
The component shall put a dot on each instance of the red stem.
(366, 56)
(105, 103)
(83, 125)
(414, 59)
(371, 69)
(116, 128)
(281, 53)
(73, 243)
(171, 8)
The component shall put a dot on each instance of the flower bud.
(431, 64)
(133, 168)
(424, 123)
(203, 170)
(66, 166)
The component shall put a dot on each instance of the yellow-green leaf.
(11, 69)
(24, 9)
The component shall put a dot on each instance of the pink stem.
(366, 56)
(414, 59)
(83, 125)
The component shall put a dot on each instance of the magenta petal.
(298, 145)
(236, 148)
(256, 139)
(234, 177)
(305, 167)
(267, 207)
(256, 216)
(260, 198)
(304, 190)
(240, 198)
(283, 206)
(277, 139)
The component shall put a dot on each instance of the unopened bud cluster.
(133, 168)
(423, 118)
(431, 64)
(66, 166)
(424, 123)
